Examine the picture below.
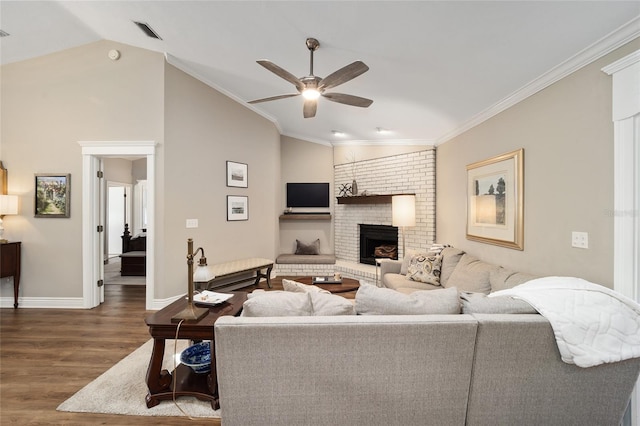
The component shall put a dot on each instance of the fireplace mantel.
(367, 199)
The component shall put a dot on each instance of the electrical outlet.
(192, 223)
(580, 240)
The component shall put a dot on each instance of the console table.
(161, 328)
(10, 266)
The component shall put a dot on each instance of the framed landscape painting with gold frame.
(495, 200)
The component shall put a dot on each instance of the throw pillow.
(296, 287)
(325, 304)
(371, 300)
(425, 268)
(450, 258)
(313, 248)
(278, 304)
(471, 274)
(479, 303)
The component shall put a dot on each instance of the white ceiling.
(436, 67)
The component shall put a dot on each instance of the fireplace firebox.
(378, 241)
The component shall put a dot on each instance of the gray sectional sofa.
(453, 369)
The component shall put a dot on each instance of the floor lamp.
(403, 213)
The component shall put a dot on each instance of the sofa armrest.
(389, 266)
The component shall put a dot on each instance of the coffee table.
(161, 328)
(348, 284)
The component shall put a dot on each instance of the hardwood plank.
(47, 355)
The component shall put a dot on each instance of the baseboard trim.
(44, 302)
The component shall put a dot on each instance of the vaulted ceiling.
(436, 67)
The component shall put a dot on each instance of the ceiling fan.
(312, 87)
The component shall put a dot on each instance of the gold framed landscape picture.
(495, 200)
(53, 192)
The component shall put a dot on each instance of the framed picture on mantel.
(495, 200)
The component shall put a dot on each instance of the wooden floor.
(47, 355)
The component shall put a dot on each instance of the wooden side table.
(161, 328)
(10, 265)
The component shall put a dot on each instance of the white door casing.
(626, 211)
(92, 151)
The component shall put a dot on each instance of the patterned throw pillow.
(425, 267)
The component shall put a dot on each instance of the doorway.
(93, 216)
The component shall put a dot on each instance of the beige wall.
(48, 105)
(203, 130)
(51, 103)
(304, 161)
(567, 135)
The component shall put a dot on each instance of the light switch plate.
(192, 223)
(580, 240)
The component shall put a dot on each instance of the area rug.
(122, 390)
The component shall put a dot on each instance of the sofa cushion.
(479, 303)
(313, 248)
(371, 300)
(471, 274)
(450, 258)
(277, 304)
(302, 259)
(325, 304)
(296, 287)
(502, 278)
(407, 261)
(396, 281)
(425, 268)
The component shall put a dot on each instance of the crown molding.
(605, 45)
(387, 142)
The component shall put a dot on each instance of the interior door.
(101, 186)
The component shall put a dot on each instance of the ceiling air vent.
(147, 30)
(4, 33)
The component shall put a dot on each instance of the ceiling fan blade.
(348, 99)
(281, 72)
(274, 98)
(343, 75)
(309, 109)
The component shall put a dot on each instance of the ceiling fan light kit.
(312, 87)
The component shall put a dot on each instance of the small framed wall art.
(237, 207)
(53, 195)
(495, 200)
(237, 174)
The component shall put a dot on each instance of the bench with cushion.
(235, 271)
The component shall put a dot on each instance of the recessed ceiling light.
(382, 131)
(338, 133)
(147, 30)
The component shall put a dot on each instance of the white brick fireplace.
(399, 174)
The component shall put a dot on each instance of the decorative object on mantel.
(495, 200)
(354, 185)
(345, 190)
(403, 213)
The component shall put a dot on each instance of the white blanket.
(592, 324)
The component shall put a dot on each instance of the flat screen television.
(308, 194)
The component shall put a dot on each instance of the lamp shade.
(202, 274)
(8, 204)
(403, 210)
